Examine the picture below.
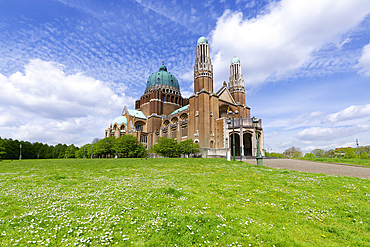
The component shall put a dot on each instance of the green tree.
(329, 153)
(104, 146)
(293, 152)
(310, 155)
(350, 154)
(2, 149)
(71, 151)
(276, 155)
(187, 147)
(11, 148)
(166, 147)
(84, 149)
(129, 147)
(318, 152)
(364, 155)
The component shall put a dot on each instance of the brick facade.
(162, 112)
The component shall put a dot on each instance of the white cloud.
(327, 133)
(306, 118)
(350, 113)
(275, 44)
(364, 61)
(45, 104)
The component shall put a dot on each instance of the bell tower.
(236, 81)
(203, 68)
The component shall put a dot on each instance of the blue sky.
(68, 67)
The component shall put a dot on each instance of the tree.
(84, 150)
(188, 147)
(329, 153)
(276, 155)
(166, 147)
(318, 152)
(95, 140)
(71, 151)
(129, 147)
(310, 155)
(350, 154)
(2, 149)
(364, 155)
(105, 146)
(293, 152)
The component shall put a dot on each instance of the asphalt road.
(316, 167)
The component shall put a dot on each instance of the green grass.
(178, 202)
(361, 162)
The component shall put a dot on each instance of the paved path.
(316, 167)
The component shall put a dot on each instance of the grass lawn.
(361, 162)
(178, 202)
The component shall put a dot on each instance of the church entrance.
(247, 143)
(237, 144)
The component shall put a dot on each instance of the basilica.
(205, 117)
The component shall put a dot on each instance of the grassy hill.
(178, 202)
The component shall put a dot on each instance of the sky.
(68, 67)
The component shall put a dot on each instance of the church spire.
(203, 68)
(236, 81)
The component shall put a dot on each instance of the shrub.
(277, 155)
(309, 155)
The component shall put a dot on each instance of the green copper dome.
(202, 40)
(235, 60)
(162, 77)
(119, 120)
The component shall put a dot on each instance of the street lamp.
(84, 152)
(233, 113)
(20, 151)
(358, 150)
(258, 156)
(227, 149)
(191, 150)
(92, 151)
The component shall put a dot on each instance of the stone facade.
(203, 117)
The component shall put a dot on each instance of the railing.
(244, 122)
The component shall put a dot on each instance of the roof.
(119, 120)
(235, 60)
(138, 114)
(162, 77)
(202, 40)
(184, 108)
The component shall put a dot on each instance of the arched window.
(184, 116)
(174, 120)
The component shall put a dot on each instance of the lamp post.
(358, 149)
(233, 113)
(258, 155)
(191, 150)
(92, 151)
(84, 152)
(227, 149)
(20, 151)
